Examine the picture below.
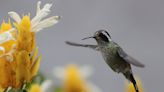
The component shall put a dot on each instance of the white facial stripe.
(107, 35)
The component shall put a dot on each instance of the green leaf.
(39, 78)
(58, 89)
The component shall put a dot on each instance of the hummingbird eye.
(103, 37)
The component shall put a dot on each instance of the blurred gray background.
(136, 25)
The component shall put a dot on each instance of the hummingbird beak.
(88, 37)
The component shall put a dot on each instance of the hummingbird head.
(101, 36)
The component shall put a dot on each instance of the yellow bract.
(23, 64)
(130, 87)
(5, 26)
(6, 67)
(73, 81)
(6, 73)
(25, 38)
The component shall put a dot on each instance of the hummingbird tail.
(130, 77)
(134, 82)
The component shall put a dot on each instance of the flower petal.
(46, 85)
(38, 7)
(93, 87)
(59, 72)
(6, 36)
(15, 16)
(2, 49)
(41, 14)
(86, 71)
(46, 23)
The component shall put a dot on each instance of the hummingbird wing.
(95, 47)
(129, 59)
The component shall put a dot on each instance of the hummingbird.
(116, 58)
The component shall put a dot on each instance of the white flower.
(46, 85)
(85, 72)
(6, 36)
(39, 22)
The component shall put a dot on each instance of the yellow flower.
(74, 78)
(18, 67)
(39, 22)
(7, 39)
(35, 88)
(7, 42)
(130, 87)
(74, 82)
(44, 87)
(25, 68)
(5, 26)
(21, 70)
(27, 27)
(19, 59)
